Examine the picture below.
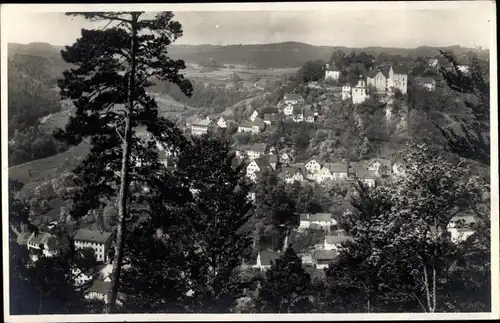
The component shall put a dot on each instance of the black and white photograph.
(271, 161)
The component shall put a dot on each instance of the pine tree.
(114, 67)
(285, 287)
(472, 138)
(204, 238)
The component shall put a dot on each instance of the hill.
(274, 55)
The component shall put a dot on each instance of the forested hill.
(276, 55)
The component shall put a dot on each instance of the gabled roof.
(267, 256)
(336, 167)
(292, 97)
(372, 73)
(337, 239)
(228, 118)
(203, 123)
(47, 239)
(316, 217)
(384, 162)
(92, 236)
(292, 170)
(324, 255)
(466, 219)
(367, 174)
(312, 158)
(235, 162)
(333, 67)
(262, 162)
(258, 147)
(385, 70)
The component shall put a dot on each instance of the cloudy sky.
(396, 27)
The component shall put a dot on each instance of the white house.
(285, 158)
(291, 98)
(359, 92)
(288, 110)
(332, 171)
(201, 127)
(99, 290)
(298, 117)
(257, 150)
(264, 259)
(381, 166)
(46, 244)
(378, 79)
(334, 242)
(82, 277)
(346, 92)
(224, 121)
(323, 220)
(460, 227)
(254, 115)
(312, 166)
(398, 79)
(322, 258)
(332, 72)
(100, 241)
(257, 166)
(271, 118)
(253, 127)
(428, 83)
(292, 174)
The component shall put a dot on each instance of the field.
(223, 75)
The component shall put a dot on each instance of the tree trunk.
(122, 199)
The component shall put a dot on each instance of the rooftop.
(336, 167)
(337, 239)
(267, 256)
(92, 236)
(203, 123)
(325, 255)
(259, 147)
(316, 217)
(292, 97)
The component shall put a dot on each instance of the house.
(201, 127)
(271, 118)
(254, 115)
(254, 127)
(292, 174)
(322, 258)
(378, 79)
(332, 171)
(359, 92)
(224, 121)
(459, 227)
(323, 220)
(258, 165)
(264, 259)
(308, 114)
(312, 165)
(289, 109)
(99, 291)
(46, 244)
(241, 151)
(427, 83)
(398, 79)
(291, 98)
(82, 277)
(286, 158)
(332, 72)
(100, 241)
(463, 64)
(298, 117)
(433, 62)
(334, 242)
(346, 92)
(368, 177)
(381, 166)
(256, 150)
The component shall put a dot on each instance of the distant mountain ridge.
(272, 55)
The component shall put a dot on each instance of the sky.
(399, 27)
